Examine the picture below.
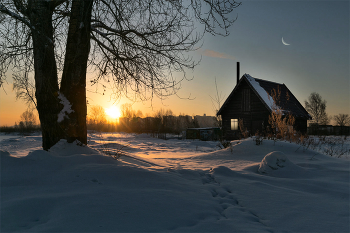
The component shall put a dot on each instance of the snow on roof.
(261, 91)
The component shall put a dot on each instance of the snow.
(261, 91)
(170, 186)
(277, 164)
(67, 107)
(19, 146)
(6, 137)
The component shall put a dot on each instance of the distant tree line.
(27, 124)
(131, 121)
(316, 106)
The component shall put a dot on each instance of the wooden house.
(251, 101)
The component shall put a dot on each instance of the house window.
(234, 124)
(246, 100)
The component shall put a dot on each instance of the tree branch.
(4, 10)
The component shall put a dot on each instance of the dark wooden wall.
(300, 125)
(254, 117)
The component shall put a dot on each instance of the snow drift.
(171, 186)
(277, 163)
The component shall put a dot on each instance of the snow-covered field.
(170, 186)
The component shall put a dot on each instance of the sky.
(316, 59)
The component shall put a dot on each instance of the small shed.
(204, 134)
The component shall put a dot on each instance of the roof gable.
(263, 89)
(261, 92)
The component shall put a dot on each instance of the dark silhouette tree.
(316, 106)
(133, 45)
(28, 118)
(342, 119)
(97, 117)
(127, 111)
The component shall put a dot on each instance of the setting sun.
(113, 112)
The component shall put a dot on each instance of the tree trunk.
(45, 73)
(71, 125)
(73, 84)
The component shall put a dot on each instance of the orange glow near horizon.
(113, 112)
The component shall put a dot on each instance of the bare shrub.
(281, 121)
(225, 144)
(258, 138)
(244, 131)
(332, 146)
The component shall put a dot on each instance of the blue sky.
(317, 59)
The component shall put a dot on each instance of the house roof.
(263, 89)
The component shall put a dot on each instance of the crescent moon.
(284, 42)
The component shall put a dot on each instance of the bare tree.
(165, 120)
(28, 118)
(139, 114)
(127, 111)
(342, 119)
(316, 106)
(326, 119)
(216, 102)
(97, 117)
(135, 46)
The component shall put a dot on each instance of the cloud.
(212, 53)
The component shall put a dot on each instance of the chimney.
(237, 72)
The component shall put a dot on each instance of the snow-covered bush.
(277, 160)
(273, 161)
